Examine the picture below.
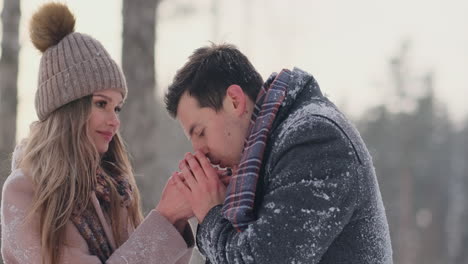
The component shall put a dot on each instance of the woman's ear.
(236, 99)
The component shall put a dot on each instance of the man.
(303, 188)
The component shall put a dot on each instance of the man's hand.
(200, 184)
(173, 204)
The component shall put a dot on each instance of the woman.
(71, 196)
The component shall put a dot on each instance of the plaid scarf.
(87, 221)
(240, 196)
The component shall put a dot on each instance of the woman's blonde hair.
(62, 160)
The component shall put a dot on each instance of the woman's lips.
(107, 135)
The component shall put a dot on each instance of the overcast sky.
(346, 45)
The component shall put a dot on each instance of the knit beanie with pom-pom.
(73, 65)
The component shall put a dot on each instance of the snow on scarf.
(239, 202)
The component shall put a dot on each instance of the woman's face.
(104, 121)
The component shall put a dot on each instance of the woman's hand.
(173, 204)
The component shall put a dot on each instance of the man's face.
(219, 135)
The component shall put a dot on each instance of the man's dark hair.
(207, 75)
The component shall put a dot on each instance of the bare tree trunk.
(8, 82)
(455, 225)
(139, 118)
(406, 249)
(406, 245)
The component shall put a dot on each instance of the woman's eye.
(202, 133)
(118, 109)
(101, 104)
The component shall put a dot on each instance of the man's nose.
(199, 145)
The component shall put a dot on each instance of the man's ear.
(236, 99)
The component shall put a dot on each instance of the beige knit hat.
(73, 65)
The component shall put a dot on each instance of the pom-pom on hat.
(73, 65)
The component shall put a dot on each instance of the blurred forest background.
(420, 151)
